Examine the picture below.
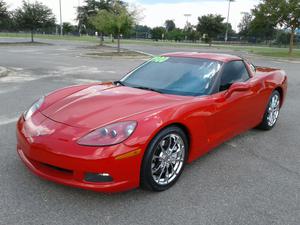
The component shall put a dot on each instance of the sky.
(155, 12)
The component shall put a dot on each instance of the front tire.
(164, 159)
(272, 112)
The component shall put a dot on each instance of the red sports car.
(143, 129)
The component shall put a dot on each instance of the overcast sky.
(155, 12)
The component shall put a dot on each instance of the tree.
(157, 33)
(170, 25)
(32, 16)
(117, 21)
(244, 25)
(141, 31)
(211, 25)
(230, 31)
(5, 17)
(68, 28)
(89, 9)
(176, 35)
(192, 34)
(262, 26)
(102, 22)
(282, 38)
(285, 13)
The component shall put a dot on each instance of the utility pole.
(61, 25)
(227, 24)
(79, 23)
(187, 16)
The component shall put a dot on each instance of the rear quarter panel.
(273, 79)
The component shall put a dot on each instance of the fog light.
(98, 177)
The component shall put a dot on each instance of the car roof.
(212, 56)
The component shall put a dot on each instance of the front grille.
(58, 168)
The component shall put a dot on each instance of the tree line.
(270, 20)
(33, 17)
(30, 16)
(209, 27)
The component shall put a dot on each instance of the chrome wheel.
(168, 159)
(273, 110)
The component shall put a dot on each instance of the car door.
(233, 103)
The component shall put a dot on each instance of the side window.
(233, 72)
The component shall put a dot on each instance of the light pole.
(227, 24)
(187, 19)
(79, 23)
(187, 23)
(61, 25)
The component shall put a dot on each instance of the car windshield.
(175, 75)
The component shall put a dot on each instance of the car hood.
(99, 105)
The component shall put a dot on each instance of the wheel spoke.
(170, 142)
(156, 157)
(162, 147)
(172, 168)
(162, 171)
(167, 174)
(156, 169)
(176, 145)
(179, 160)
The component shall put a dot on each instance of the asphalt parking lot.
(252, 179)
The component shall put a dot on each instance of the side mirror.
(237, 87)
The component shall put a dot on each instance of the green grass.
(277, 53)
(123, 54)
(52, 37)
(254, 49)
(23, 43)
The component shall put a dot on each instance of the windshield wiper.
(147, 88)
(118, 82)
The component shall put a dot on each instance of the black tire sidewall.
(147, 180)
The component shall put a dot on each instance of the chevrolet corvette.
(144, 128)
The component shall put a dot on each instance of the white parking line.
(5, 121)
(8, 89)
(18, 75)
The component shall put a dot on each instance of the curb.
(3, 72)
(141, 52)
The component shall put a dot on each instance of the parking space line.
(5, 121)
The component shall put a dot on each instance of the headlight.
(35, 106)
(109, 135)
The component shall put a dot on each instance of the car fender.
(185, 116)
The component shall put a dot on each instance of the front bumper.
(57, 157)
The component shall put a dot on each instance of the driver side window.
(233, 72)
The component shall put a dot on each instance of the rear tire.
(272, 112)
(164, 159)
